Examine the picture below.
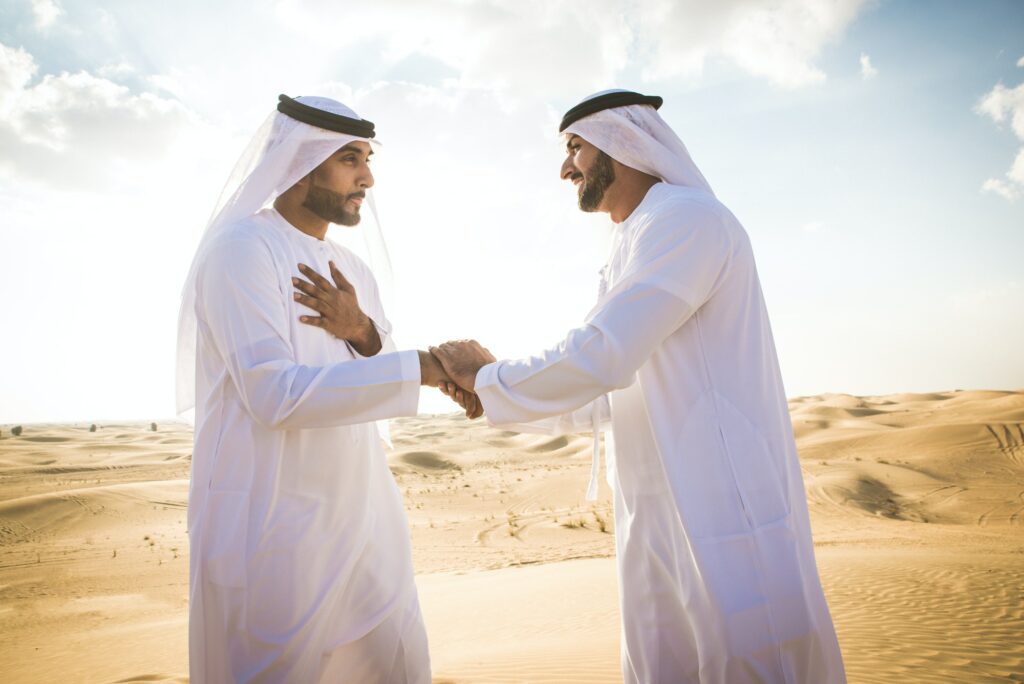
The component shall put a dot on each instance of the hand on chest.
(314, 345)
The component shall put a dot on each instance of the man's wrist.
(368, 341)
(472, 376)
(430, 369)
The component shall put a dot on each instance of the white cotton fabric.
(637, 136)
(282, 152)
(717, 577)
(300, 557)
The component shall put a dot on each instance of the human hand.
(432, 373)
(338, 307)
(462, 359)
(469, 401)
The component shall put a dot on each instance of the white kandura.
(300, 559)
(299, 537)
(717, 577)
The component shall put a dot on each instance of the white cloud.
(866, 69)
(812, 226)
(74, 129)
(1002, 102)
(114, 71)
(1016, 172)
(172, 83)
(775, 40)
(999, 104)
(535, 46)
(1020, 62)
(1001, 188)
(45, 12)
(551, 46)
(16, 69)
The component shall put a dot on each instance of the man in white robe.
(300, 558)
(717, 577)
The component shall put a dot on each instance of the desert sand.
(917, 504)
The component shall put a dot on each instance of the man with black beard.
(717, 578)
(300, 558)
(599, 177)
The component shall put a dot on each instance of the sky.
(874, 151)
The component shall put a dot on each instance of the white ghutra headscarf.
(283, 151)
(637, 136)
(627, 127)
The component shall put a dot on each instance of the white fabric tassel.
(595, 461)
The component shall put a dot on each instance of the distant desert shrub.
(152, 426)
(92, 428)
(16, 430)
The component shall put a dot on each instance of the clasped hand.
(462, 360)
(456, 363)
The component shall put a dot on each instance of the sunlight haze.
(874, 151)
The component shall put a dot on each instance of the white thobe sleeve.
(674, 265)
(245, 313)
(580, 420)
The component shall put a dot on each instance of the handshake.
(452, 368)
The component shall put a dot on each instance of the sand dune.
(951, 458)
(917, 503)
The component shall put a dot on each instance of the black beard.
(596, 182)
(330, 205)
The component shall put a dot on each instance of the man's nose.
(366, 181)
(568, 168)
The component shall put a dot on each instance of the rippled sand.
(917, 503)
